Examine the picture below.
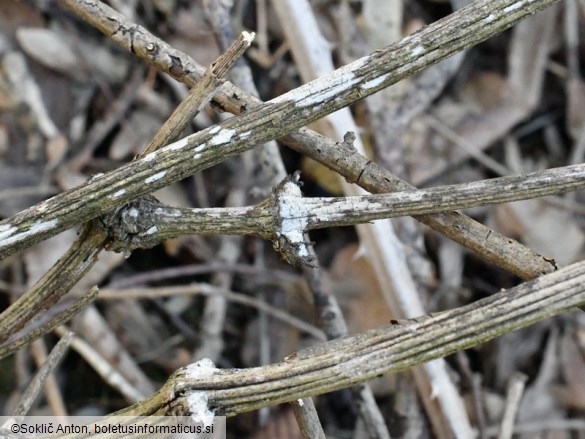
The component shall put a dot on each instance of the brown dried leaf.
(572, 394)
(50, 49)
(354, 284)
(547, 229)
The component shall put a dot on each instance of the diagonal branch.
(498, 249)
(351, 360)
(268, 121)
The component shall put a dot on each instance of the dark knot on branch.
(133, 225)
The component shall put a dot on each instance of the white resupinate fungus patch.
(9, 237)
(374, 82)
(198, 401)
(223, 136)
(155, 177)
(198, 150)
(6, 230)
(179, 144)
(324, 88)
(149, 157)
(293, 216)
(417, 50)
(513, 7)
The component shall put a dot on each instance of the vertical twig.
(307, 418)
(515, 391)
(387, 257)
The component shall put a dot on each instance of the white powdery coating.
(211, 213)
(7, 236)
(214, 130)
(490, 18)
(150, 157)
(338, 211)
(323, 91)
(408, 196)
(119, 193)
(196, 156)
(200, 148)
(223, 136)
(374, 82)
(6, 230)
(98, 175)
(417, 50)
(200, 413)
(513, 7)
(152, 230)
(177, 145)
(293, 216)
(248, 36)
(325, 87)
(155, 177)
(412, 327)
(200, 369)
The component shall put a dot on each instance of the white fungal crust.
(292, 222)
(152, 230)
(513, 7)
(155, 177)
(223, 136)
(119, 193)
(197, 405)
(417, 50)
(248, 36)
(9, 237)
(200, 369)
(324, 88)
(197, 401)
(374, 82)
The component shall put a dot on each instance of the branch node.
(348, 140)
(291, 223)
(132, 226)
(194, 403)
